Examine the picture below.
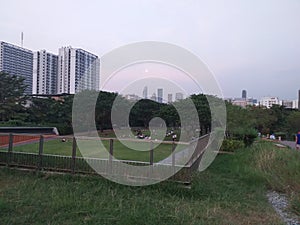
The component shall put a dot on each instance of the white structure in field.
(18, 61)
(45, 71)
(269, 101)
(77, 70)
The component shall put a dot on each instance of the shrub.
(12, 123)
(230, 145)
(247, 135)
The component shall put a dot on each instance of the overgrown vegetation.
(280, 169)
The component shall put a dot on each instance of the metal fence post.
(74, 146)
(10, 148)
(41, 148)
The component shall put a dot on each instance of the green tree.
(142, 112)
(263, 118)
(170, 115)
(12, 99)
(293, 122)
(103, 109)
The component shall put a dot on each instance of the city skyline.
(45, 69)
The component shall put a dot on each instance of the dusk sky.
(252, 45)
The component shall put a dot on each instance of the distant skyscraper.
(178, 96)
(160, 95)
(153, 97)
(77, 70)
(45, 70)
(299, 99)
(170, 98)
(145, 92)
(18, 61)
(244, 94)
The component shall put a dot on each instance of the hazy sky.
(252, 45)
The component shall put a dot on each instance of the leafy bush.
(13, 123)
(230, 145)
(247, 135)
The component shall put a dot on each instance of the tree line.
(19, 110)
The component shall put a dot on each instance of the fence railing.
(84, 165)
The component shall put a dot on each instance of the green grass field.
(231, 191)
(57, 147)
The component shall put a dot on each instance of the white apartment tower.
(45, 70)
(77, 70)
(18, 61)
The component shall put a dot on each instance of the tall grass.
(231, 191)
(280, 167)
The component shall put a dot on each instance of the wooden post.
(10, 148)
(11, 142)
(173, 156)
(41, 148)
(74, 146)
(151, 153)
(111, 153)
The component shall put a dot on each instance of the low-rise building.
(268, 102)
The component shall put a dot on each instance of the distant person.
(272, 137)
(298, 140)
(174, 136)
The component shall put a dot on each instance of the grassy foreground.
(231, 191)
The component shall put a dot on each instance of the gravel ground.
(280, 204)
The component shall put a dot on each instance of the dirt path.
(291, 144)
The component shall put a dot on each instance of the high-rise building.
(170, 98)
(244, 94)
(295, 104)
(45, 71)
(178, 96)
(77, 70)
(145, 92)
(299, 99)
(153, 97)
(160, 95)
(18, 61)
